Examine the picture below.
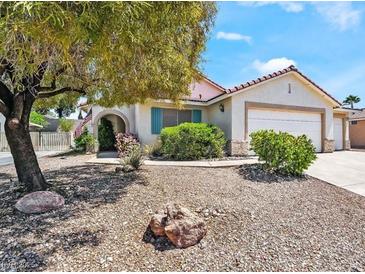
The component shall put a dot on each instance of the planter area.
(253, 223)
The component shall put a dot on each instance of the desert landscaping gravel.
(255, 222)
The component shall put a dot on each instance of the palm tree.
(351, 100)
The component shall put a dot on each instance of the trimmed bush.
(283, 152)
(125, 143)
(192, 141)
(84, 141)
(106, 137)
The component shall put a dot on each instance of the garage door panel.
(296, 123)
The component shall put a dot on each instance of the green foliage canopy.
(66, 125)
(112, 52)
(37, 118)
(351, 100)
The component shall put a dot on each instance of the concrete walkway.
(345, 169)
(223, 163)
(6, 158)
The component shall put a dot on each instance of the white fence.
(43, 141)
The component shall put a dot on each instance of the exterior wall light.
(221, 107)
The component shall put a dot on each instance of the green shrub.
(106, 136)
(37, 118)
(66, 125)
(84, 141)
(134, 158)
(283, 152)
(192, 141)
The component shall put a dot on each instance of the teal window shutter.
(156, 120)
(197, 116)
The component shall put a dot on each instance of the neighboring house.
(357, 129)
(54, 123)
(285, 100)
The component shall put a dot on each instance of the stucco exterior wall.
(204, 90)
(222, 119)
(357, 134)
(276, 91)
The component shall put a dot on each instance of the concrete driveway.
(345, 169)
(6, 158)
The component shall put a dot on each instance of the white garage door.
(296, 123)
(338, 133)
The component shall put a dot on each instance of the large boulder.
(39, 202)
(182, 227)
(158, 223)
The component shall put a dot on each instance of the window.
(166, 117)
(174, 117)
(353, 122)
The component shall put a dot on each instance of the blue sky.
(325, 40)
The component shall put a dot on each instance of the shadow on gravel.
(83, 187)
(159, 243)
(257, 173)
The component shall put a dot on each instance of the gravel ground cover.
(255, 223)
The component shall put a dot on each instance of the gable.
(204, 90)
(288, 89)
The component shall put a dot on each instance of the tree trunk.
(25, 159)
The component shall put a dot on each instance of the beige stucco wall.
(221, 119)
(357, 134)
(276, 92)
(127, 113)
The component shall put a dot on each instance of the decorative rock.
(182, 227)
(158, 223)
(127, 168)
(39, 202)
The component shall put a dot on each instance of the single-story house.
(285, 100)
(357, 129)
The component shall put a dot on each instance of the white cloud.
(293, 7)
(341, 15)
(272, 65)
(233, 36)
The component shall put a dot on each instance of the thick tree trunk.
(25, 159)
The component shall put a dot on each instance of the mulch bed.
(255, 223)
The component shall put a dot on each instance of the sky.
(324, 40)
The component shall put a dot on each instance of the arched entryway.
(117, 119)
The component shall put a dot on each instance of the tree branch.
(60, 91)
